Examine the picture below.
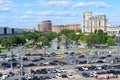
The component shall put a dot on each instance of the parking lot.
(67, 65)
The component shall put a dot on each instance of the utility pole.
(21, 68)
(11, 59)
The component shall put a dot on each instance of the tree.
(50, 35)
(111, 41)
(13, 40)
(5, 43)
(44, 40)
(80, 31)
(93, 39)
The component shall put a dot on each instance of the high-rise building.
(38, 27)
(46, 26)
(91, 23)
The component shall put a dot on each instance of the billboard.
(117, 39)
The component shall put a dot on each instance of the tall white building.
(91, 23)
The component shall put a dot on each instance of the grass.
(29, 50)
(4, 50)
(86, 49)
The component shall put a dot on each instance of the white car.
(29, 78)
(4, 76)
(98, 67)
(85, 68)
(63, 70)
(58, 76)
(70, 76)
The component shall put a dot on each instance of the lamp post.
(11, 51)
(21, 67)
(77, 37)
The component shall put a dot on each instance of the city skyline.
(29, 13)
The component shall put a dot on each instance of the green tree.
(111, 41)
(44, 40)
(50, 35)
(5, 43)
(93, 39)
(13, 40)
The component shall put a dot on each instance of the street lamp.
(77, 33)
(11, 51)
(21, 68)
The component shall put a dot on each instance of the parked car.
(5, 65)
(10, 74)
(58, 76)
(70, 76)
(85, 74)
(81, 56)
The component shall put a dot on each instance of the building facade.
(74, 27)
(113, 30)
(6, 31)
(58, 28)
(45, 26)
(29, 30)
(91, 23)
(38, 27)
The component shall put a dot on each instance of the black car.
(3, 56)
(102, 57)
(53, 54)
(92, 67)
(64, 76)
(38, 71)
(0, 74)
(85, 74)
(109, 55)
(16, 64)
(42, 58)
(23, 78)
(5, 65)
(83, 62)
(66, 53)
(72, 53)
(35, 60)
(47, 77)
(13, 59)
(10, 74)
(31, 64)
(52, 63)
(28, 54)
(100, 61)
(81, 56)
(43, 71)
(32, 71)
(25, 59)
(105, 67)
(35, 78)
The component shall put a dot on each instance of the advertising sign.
(117, 39)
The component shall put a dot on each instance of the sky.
(29, 13)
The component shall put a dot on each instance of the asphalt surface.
(69, 68)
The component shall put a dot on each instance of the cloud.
(54, 3)
(65, 4)
(88, 4)
(55, 13)
(7, 6)
(27, 17)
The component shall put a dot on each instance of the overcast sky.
(29, 13)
